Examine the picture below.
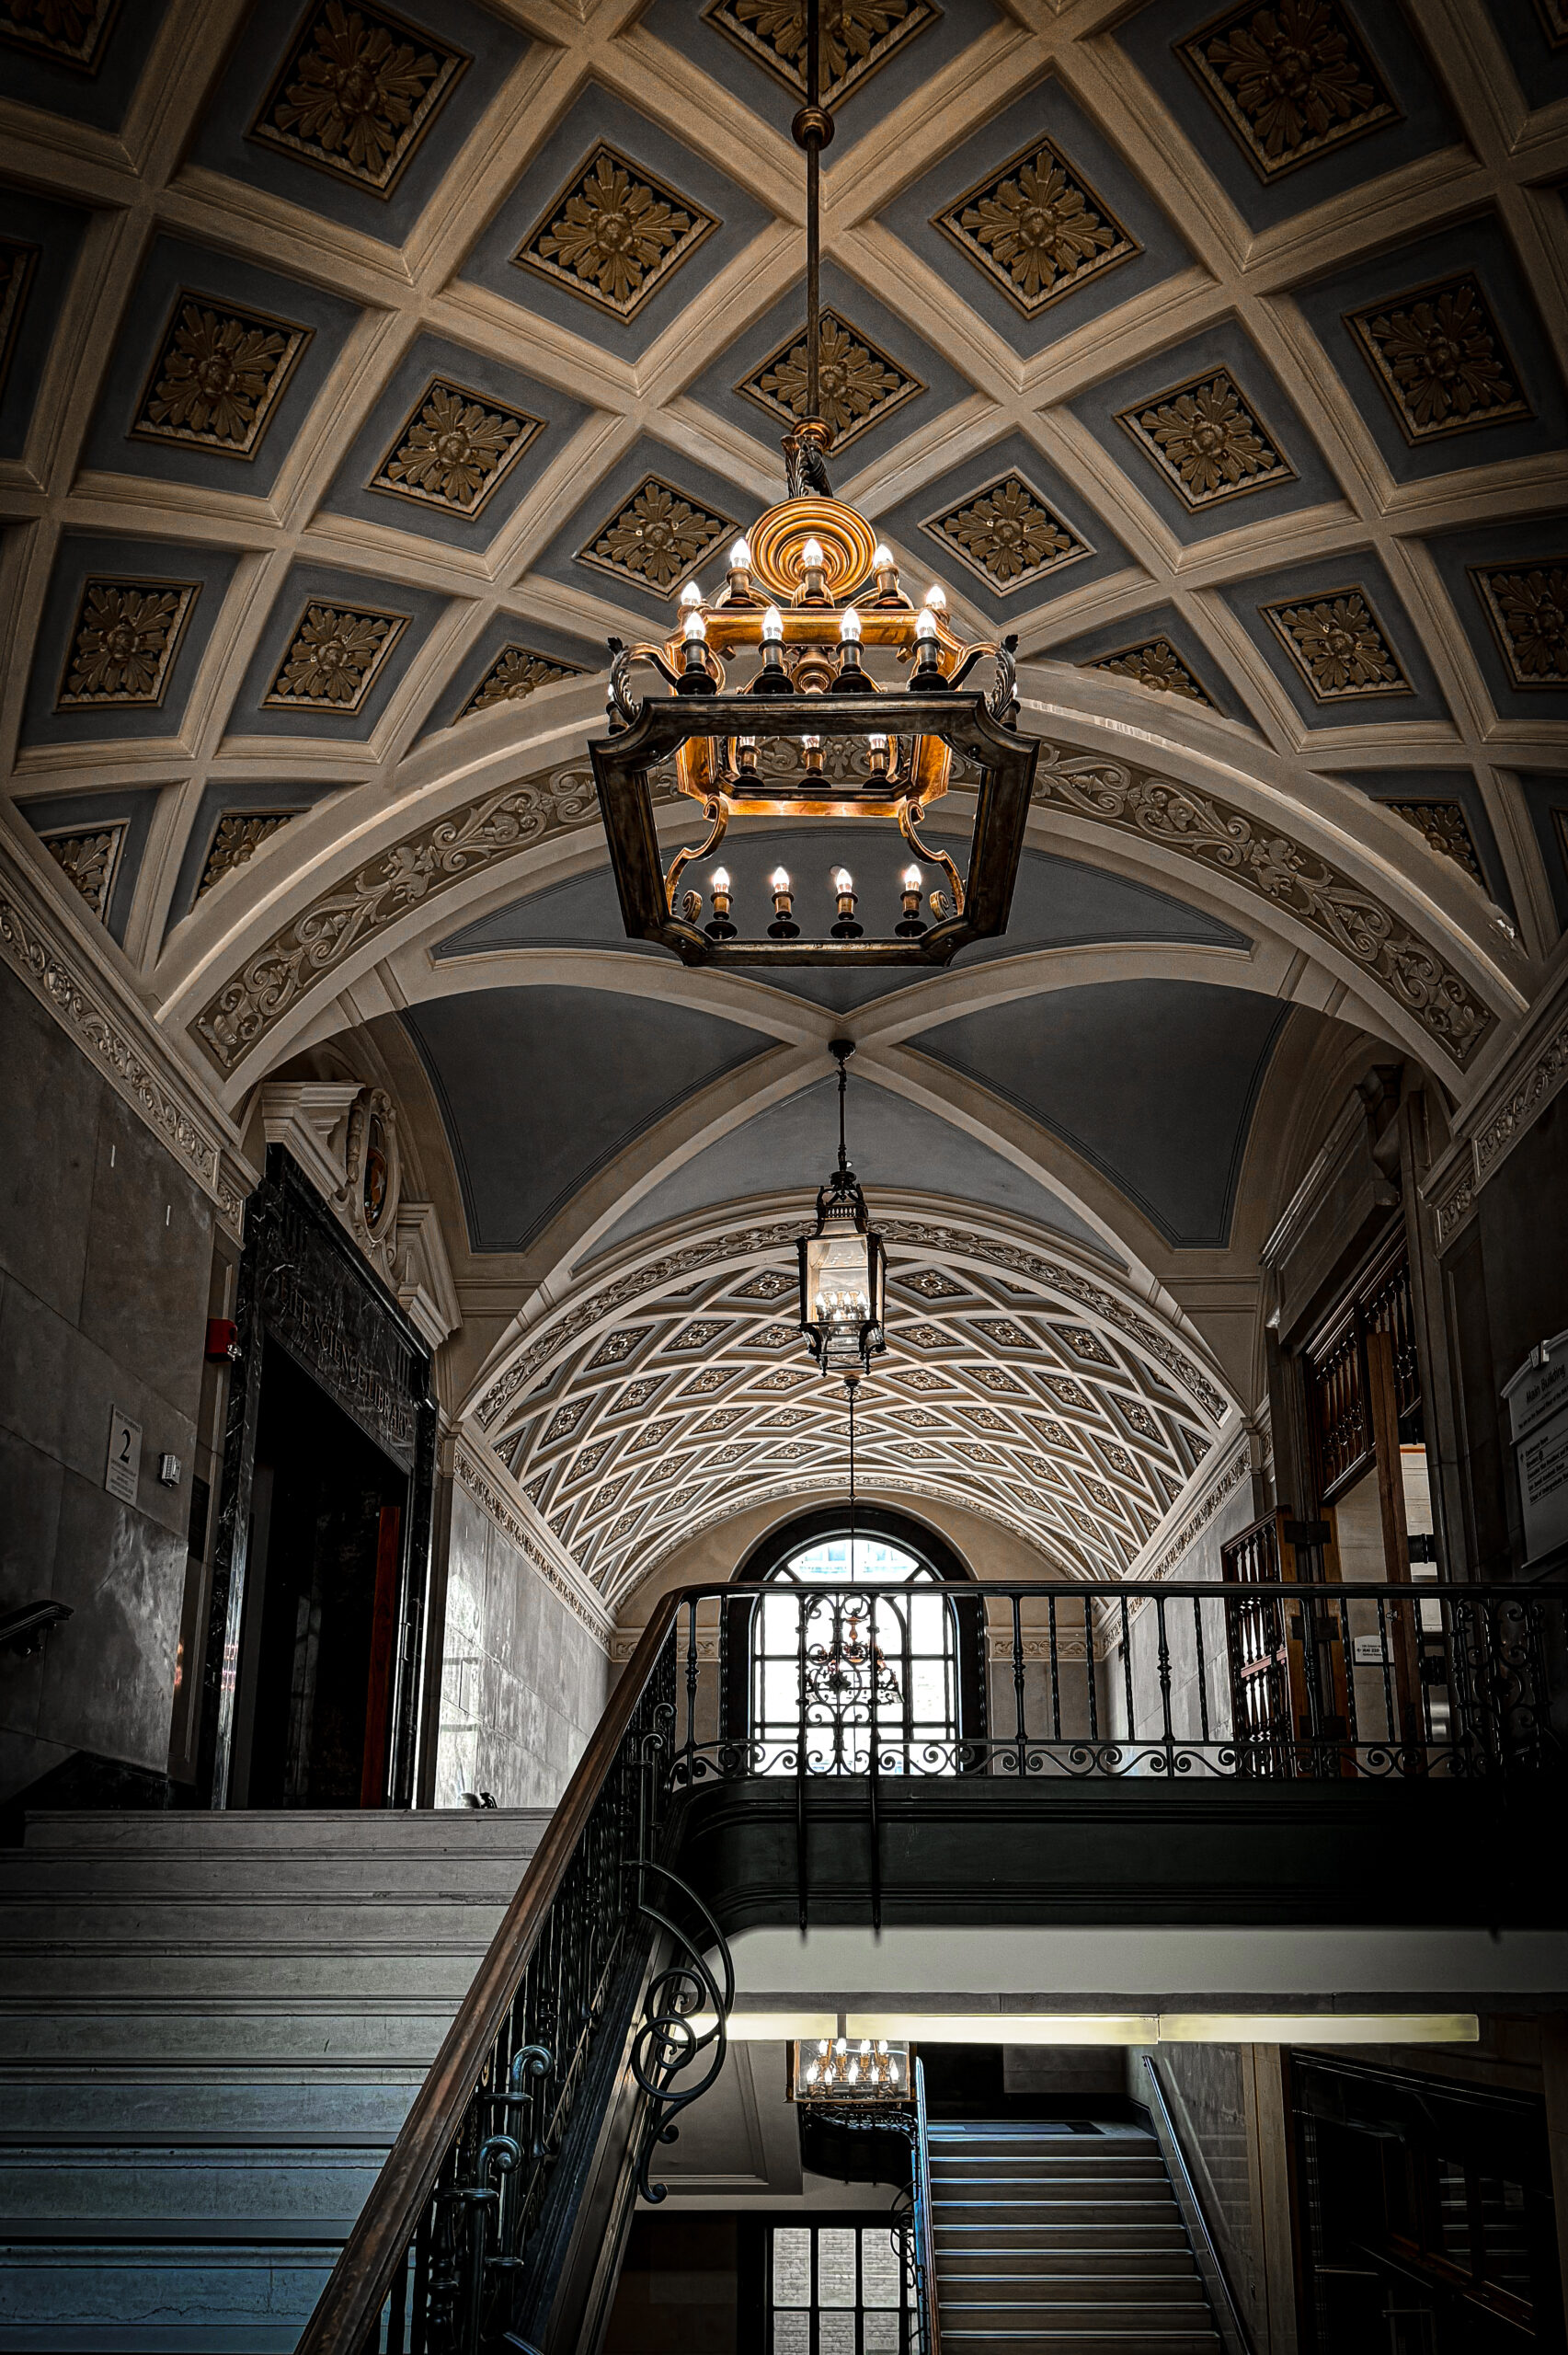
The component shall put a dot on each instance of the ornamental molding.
(1504, 1113)
(1165, 1550)
(1292, 879)
(491, 1488)
(118, 1041)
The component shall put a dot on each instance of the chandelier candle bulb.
(813, 589)
(739, 590)
(852, 678)
(782, 927)
(745, 755)
(811, 746)
(719, 890)
(772, 679)
(936, 598)
(879, 755)
(909, 926)
(691, 595)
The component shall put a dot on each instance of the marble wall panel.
(523, 1683)
(106, 1253)
(1200, 1564)
(1208, 2088)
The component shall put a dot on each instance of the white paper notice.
(124, 1456)
(1543, 1484)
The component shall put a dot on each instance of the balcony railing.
(1282, 1680)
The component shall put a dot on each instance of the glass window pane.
(792, 2266)
(792, 2334)
(835, 2334)
(835, 2268)
(881, 2272)
(881, 2334)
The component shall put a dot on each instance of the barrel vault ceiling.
(361, 369)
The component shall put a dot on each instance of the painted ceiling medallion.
(615, 232)
(1038, 228)
(89, 859)
(1206, 440)
(860, 386)
(68, 32)
(454, 449)
(858, 37)
(358, 91)
(1338, 645)
(219, 376)
(1293, 79)
(1439, 356)
(334, 657)
(657, 538)
(17, 261)
(1155, 663)
(240, 835)
(124, 642)
(1445, 828)
(515, 674)
(1529, 613)
(1007, 535)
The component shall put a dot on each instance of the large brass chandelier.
(813, 687)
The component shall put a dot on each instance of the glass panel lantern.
(843, 1267)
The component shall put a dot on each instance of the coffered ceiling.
(361, 369)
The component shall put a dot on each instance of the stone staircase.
(1052, 2241)
(210, 2028)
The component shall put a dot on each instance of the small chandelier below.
(840, 2069)
(843, 1267)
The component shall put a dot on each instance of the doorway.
(318, 1639)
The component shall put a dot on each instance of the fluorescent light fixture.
(1168, 2027)
(773, 2027)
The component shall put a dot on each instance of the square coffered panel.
(1122, 650)
(1509, 588)
(1092, 165)
(467, 501)
(1306, 168)
(706, 497)
(130, 704)
(937, 385)
(122, 819)
(917, 524)
(1207, 435)
(365, 629)
(676, 272)
(485, 675)
(1478, 368)
(1360, 664)
(1447, 809)
(85, 69)
(203, 318)
(42, 240)
(337, 140)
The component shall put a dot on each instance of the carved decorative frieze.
(1527, 609)
(18, 260)
(859, 385)
(657, 538)
(858, 38)
(1038, 228)
(334, 656)
(240, 835)
(343, 1134)
(124, 643)
(454, 449)
(1439, 355)
(485, 1481)
(614, 234)
(358, 93)
(57, 977)
(431, 859)
(1445, 828)
(1338, 645)
(1293, 79)
(1206, 440)
(220, 374)
(68, 32)
(1235, 1469)
(1007, 535)
(515, 674)
(89, 859)
(1547, 1073)
(1264, 861)
(1155, 663)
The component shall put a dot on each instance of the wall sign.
(124, 1464)
(1538, 1416)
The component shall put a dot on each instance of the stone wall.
(1200, 1564)
(523, 1680)
(105, 1265)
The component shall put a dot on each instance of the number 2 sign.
(124, 1455)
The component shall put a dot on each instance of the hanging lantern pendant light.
(843, 1267)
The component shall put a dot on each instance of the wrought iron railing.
(1280, 1680)
(922, 2241)
(591, 1987)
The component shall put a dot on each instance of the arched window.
(844, 1651)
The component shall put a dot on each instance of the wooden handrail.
(931, 2311)
(348, 2307)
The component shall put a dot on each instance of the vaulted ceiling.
(361, 371)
